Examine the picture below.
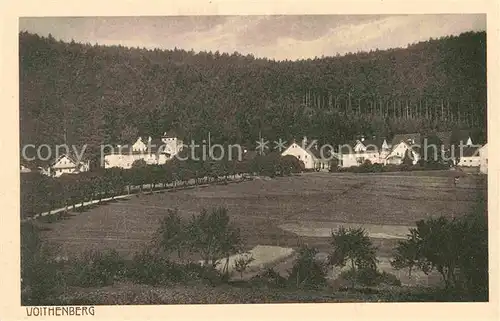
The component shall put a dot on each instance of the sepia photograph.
(252, 159)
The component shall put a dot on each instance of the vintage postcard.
(228, 160)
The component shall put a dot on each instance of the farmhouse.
(152, 151)
(66, 164)
(402, 143)
(311, 156)
(373, 150)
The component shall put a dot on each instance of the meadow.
(283, 211)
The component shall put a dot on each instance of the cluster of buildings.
(459, 148)
(64, 164)
(152, 151)
(373, 150)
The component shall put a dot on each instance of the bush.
(307, 272)
(39, 273)
(95, 268)
(242, 263)
(269, 278)
(41, 280)
(148, 268)
(369, 277)
(389, 279)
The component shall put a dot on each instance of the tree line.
(40, 193)
(93, 94)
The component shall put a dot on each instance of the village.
(458, 148)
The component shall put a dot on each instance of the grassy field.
(281, 212)
(260, 206)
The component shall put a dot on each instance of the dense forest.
(93, 94)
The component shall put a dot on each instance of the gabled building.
(311, 157)
(362, 150)
(66, 164)
(402, 143)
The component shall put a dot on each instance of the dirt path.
(324, 229)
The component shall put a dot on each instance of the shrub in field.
(354, 246)
(269, 278)
(172, 235)
(290, 164)
(242, 263)
(147, 267)
(307, 272)
(95, 268)
(406, 254)
(370, 277)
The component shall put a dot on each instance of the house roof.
(71, 159)
(313, 151)
(156, 146)
(415, 148)
(373, 144)
(398, 138)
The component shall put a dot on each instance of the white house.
(468, 156)
(311, 157)
(483, 156)
(373, 150)
(152, 151)
(65, 164)
(400, 145)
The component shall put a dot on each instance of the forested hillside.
(102, 94)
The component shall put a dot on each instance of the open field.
(279, 212)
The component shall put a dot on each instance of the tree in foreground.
(213, 237)
(307, 272)
(171, 235)
(457, 249)
(406, 254)
(352, 246)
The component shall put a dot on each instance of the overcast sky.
(278, 37)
